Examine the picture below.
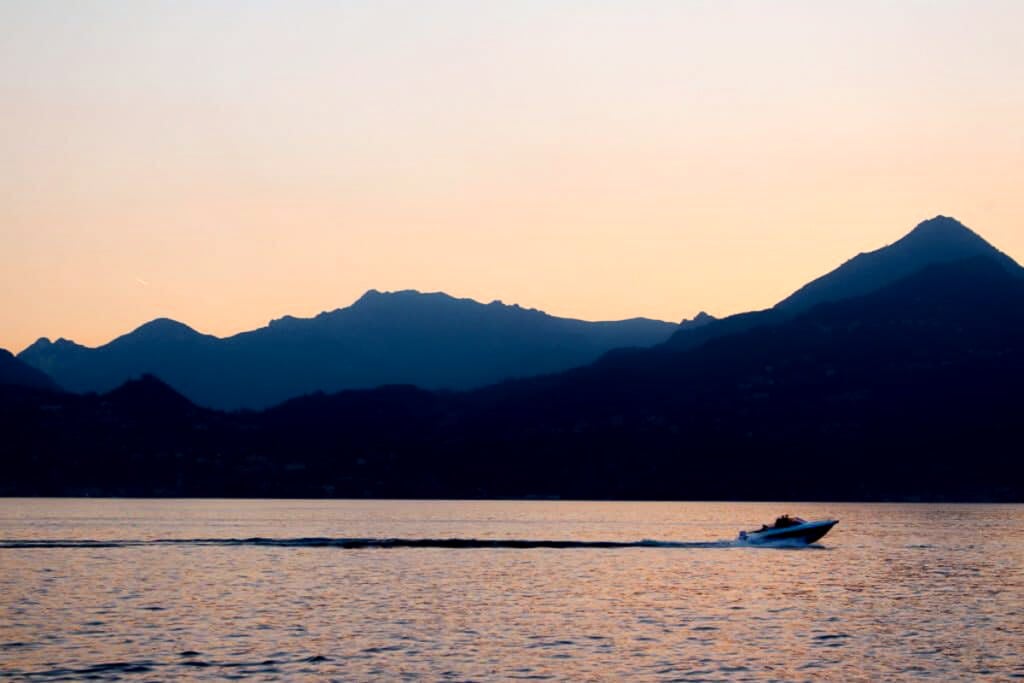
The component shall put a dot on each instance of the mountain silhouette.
(17, 373)
(938, 240)
(431, 340)
(911, 392)
(882, 396)
(934, 241)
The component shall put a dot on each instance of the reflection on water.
(171, 589)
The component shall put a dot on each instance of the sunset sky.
(225, 163)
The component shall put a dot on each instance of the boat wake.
(385, 543)
(780, 544)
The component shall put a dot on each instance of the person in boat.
(782, 522)
(786, 521)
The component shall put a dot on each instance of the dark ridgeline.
(909, 390)
(431, 340)
(18, 373)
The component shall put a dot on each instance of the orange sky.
(227, 163)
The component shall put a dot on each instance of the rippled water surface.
(167, 589)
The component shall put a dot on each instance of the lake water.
(171, 589)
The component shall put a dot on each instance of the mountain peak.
(941, 222)
(700, 320)
(946, 231)
(937, 240)
(403, 300)
(372, 294)
(44, 344)
(149, 391)
(375, 296)
(158, 330)
(162, 328)
(39, 344)
(369, 295)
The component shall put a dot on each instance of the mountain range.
(434, 341)
(899, 375)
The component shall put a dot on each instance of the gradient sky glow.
(227, 162)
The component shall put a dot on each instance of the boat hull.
(809, 532)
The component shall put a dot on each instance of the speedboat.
(790, 529)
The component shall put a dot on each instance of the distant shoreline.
(893, 501)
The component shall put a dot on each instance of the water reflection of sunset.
(874, 602)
